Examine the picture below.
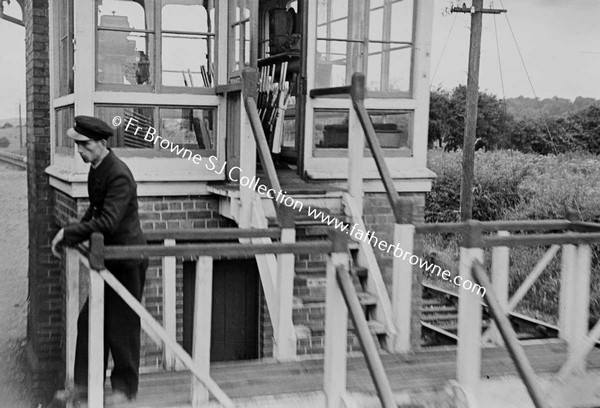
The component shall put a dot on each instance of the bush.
(518, 186)
(498, 175)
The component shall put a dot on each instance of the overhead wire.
(499, 63)
(529, 79)
(443, 50)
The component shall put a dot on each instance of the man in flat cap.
(113, 211)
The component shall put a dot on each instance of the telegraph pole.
(466, 190)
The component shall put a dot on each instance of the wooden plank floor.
(425, 370)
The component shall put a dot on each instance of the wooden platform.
(428, 370)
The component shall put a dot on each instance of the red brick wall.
(44, 321)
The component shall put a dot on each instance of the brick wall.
(44, 321)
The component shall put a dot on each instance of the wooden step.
(435, 317)
(439, 309)
(375, 327)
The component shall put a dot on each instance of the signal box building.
(174, 68)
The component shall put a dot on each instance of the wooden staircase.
(309, 291)
(309, 282)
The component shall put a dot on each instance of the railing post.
(468, 365)
(336, 327)
(567, 294)
(356, 146)
(169, 308)
(500, 279)
(72, 313)
(285, 342)
(96, 324)
(247, 147)
(402, 279)
(580, 303)
(202, 326)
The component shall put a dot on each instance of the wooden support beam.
(468, 364)
(336, 334)
(500, 280)
(72, 313)
(284, 348)
(202, 326)
(539, 268)
(581, 308)
(96, 342)
(402, 278)
(356, 148)
(567, 276)
(169, 307)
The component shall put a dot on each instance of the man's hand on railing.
(56, 243)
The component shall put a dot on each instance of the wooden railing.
(341, 297)
(569, 237)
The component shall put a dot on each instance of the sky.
(559, 42)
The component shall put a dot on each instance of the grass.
(513, 186)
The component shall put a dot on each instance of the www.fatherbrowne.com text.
(358, 234)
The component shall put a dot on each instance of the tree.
(447, 119)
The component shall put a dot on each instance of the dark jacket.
(113, 209)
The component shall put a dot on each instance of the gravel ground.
(14, 381)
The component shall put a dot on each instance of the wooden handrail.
(333, 91)
(234, 251)
(510, 337)
(493, 226)
(541, 239)
(367, 344)
(249, 81)
(211, 234)
(357, 93)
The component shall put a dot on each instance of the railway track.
(13, 160)
(439, 321)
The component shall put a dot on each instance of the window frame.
(357, 35)
(342, 152)
(155, 54)
(156, 150)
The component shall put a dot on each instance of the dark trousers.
(121, 330)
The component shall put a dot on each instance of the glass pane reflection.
(122, 58)
(189, 128)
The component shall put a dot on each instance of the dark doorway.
(235, 308)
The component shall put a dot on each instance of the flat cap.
(89, 128)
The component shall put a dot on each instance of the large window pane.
(132, 137)
(195, 16)
(122, 58)
(64, 30)
(376, 25)
(392, 128)
(64, 121)
(189, 128)
(124, 53)
(402, 21)
(123, 14)
(331, 129)
(187, 60)
(399, 73)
